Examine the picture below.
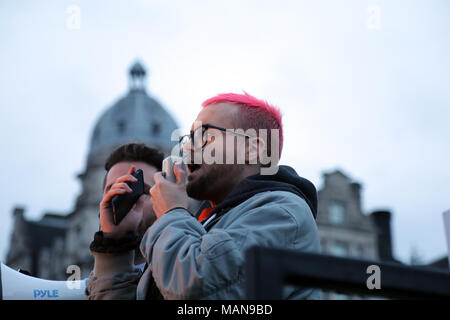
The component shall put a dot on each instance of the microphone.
(167, 168)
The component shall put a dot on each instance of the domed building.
(136, 117)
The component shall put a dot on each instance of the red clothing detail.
(205, 214)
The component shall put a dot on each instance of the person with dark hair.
(248, 200)
(133, 152)
(109, 254)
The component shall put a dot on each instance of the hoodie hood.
(286, 179)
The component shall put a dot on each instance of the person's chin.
(197, 184)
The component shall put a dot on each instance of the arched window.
(336, 212)
(121, 127)
(156, 129)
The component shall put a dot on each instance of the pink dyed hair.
(255, 113)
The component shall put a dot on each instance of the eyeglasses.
(198, 143)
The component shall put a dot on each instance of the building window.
(156, 129)
(336, 212)
(121, 127)
(339, 249)
(359, 251)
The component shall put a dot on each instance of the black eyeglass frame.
(205, 127)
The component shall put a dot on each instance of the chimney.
(18, 212)
(382, 220)
(356, 190)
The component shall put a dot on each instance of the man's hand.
(167, 195)
(132, 219)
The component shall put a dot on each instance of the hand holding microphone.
(167, 194)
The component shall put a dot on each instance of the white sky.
(372, 102)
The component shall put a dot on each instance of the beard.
(209, 182)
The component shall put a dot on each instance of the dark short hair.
(132, 152)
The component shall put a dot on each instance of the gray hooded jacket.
(190, 260)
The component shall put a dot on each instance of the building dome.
(135, 117)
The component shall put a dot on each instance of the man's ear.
(256, 146)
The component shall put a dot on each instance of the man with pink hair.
(201, 255)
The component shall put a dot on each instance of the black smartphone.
(122, 203)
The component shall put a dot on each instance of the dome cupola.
(137, 77)
(134, 117)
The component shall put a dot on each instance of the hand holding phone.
(122, 203)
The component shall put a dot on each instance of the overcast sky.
(363, 87)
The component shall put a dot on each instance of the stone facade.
(344, 229)
(38, 246)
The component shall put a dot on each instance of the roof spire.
(137, 77)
